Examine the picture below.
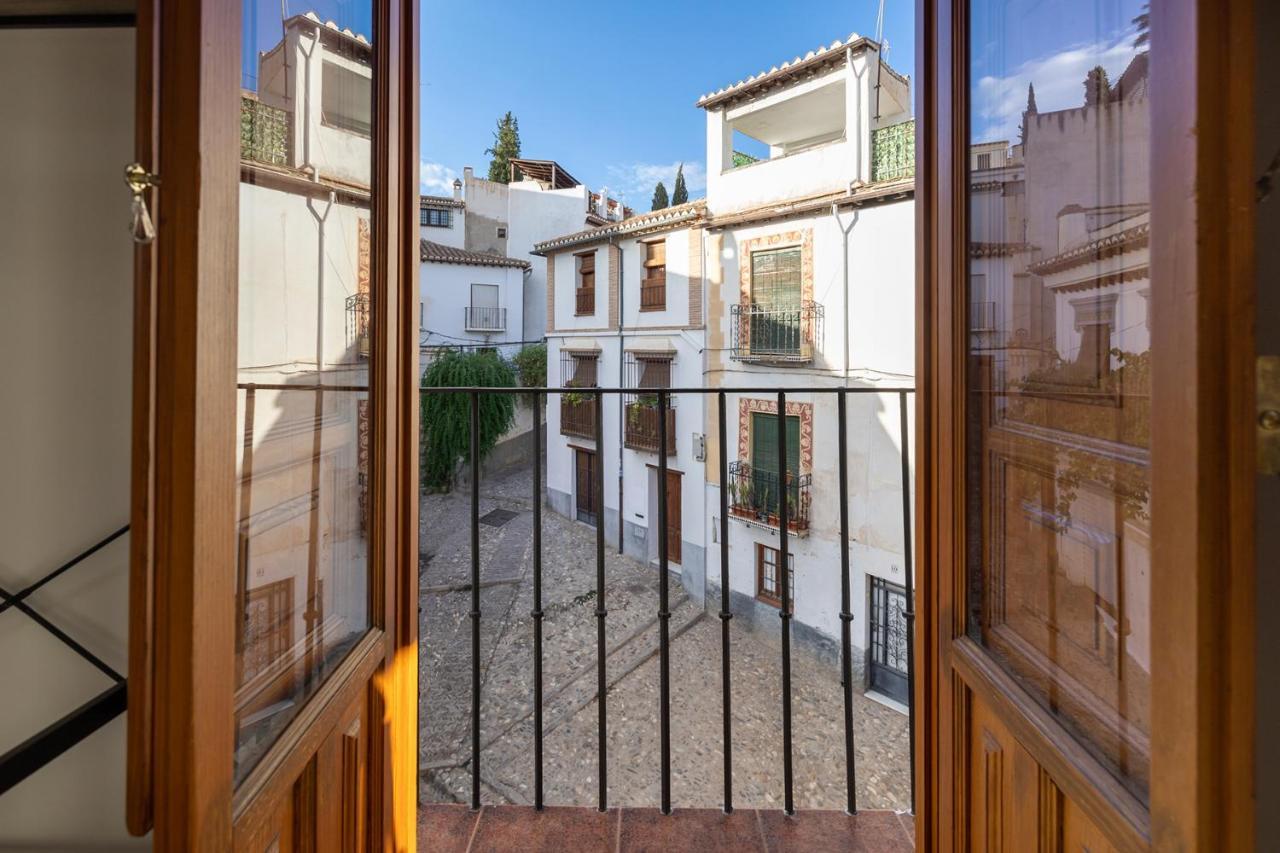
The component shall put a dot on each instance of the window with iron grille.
(579, 369)
(768, 589)
(578, 410)
(585, 301)
(433, 217)
(984, 161)
(653, 285)
(643, 431)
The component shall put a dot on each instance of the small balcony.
(584, 301)
(643, 424)
(265, 133)
(358, 324)
(753, 497)
(578, 414)
(485, 319)
(893, 152)
(776, 335)
(653, 294)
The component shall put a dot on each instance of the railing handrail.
(591, 389)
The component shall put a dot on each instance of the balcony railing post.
(725, 613)
(910, 612)
(846, 653)
(664, 615)
(784, 565)
(601, 612)
(534, 400)
(475, 600)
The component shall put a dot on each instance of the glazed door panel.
(283, 401)
(1068, 347)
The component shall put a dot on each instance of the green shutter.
(764, 443)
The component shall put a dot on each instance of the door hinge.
(1268, 415)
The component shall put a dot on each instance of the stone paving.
(570, 709)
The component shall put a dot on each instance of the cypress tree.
(506, 145)
(660, 197)
(681, 193)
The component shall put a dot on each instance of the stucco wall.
(66, 334)
(446, 293)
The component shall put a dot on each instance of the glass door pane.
(305, 292)
(1058, 373)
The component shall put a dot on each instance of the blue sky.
(608, 90)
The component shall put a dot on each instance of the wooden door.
(273, 651)
(673, 516)
(1085, 361)
(585, 495)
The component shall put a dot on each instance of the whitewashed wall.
(534, 215)
(66, 337)
(446, 292)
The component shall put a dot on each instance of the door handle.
(139, 180)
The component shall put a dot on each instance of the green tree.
(446, 418)
(531, 366)
(660, 197)
(1097, 88)
(681, 193)
(506, 146)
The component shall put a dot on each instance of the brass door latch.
(1268, 414)
(139, 180)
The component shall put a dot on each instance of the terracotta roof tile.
(436, 253)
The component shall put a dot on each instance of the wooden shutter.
(764, 443)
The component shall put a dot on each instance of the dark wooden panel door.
(585, 496)
(278, 642)
(673, 515)
(1085, 426)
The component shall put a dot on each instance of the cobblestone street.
(569, 679)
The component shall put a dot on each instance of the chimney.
(468, 173)
(457, 190)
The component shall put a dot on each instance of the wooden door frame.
(1202, 613)
(181, 668)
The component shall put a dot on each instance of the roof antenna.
(880, 24)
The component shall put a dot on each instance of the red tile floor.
(498, 829)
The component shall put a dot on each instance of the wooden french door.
(587, 500)
(273, 688)
(1085, 360)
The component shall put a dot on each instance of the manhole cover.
(497, 518)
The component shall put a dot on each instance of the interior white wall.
(65, 334)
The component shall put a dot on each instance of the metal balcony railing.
(776, 335)
(754, 496)
(265, 133)
(591, 399)
(642, 430)
(982, 316)
(485, 319)
(893, 152)
(578, 413)
(358, 323)
(585, 300)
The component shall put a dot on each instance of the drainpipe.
(844, 263)
(306, 107)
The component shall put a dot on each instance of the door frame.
(182, 578)
(1202, 613)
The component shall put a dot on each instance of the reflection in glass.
(302, 583)
(1059, 331)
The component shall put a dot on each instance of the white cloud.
(435, 179)
(1059, 80)
(634, 182)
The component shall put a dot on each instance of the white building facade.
(804, 271)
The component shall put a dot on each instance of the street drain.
(497, 518)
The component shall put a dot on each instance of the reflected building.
(303, 354)
(1059, 331)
